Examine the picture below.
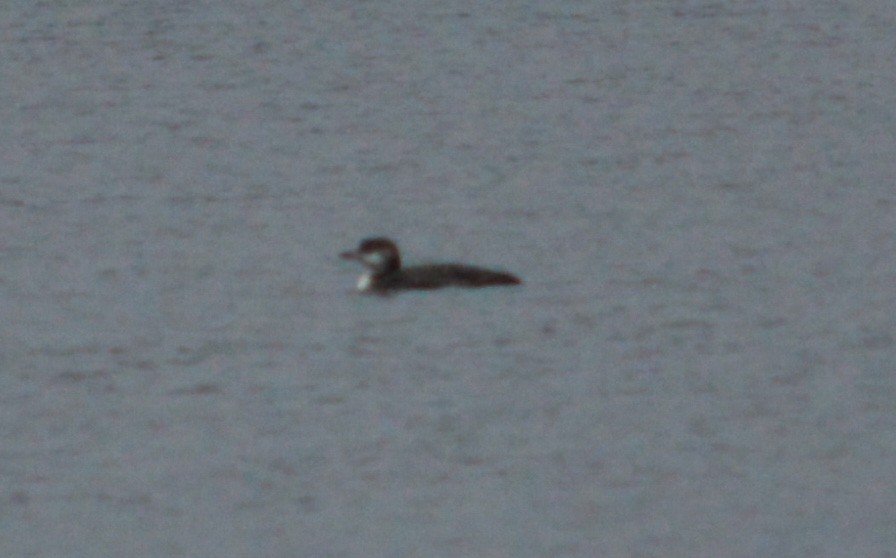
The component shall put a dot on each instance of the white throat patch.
(364, 282)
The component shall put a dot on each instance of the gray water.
(700, 198)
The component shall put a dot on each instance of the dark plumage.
(381, 257)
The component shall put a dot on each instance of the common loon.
(380, 256)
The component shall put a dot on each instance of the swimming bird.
(384, 272)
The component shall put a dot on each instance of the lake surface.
(699, 196)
